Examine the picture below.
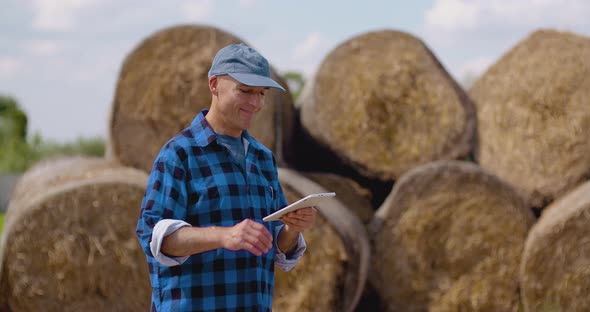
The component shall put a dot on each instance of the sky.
(60, 59)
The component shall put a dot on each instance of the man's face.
(237, 103)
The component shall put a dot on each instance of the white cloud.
(247, 3)
(475, 67)
(8, 66)
(463, 31)
(43, 47)
(104, 64)
(308, 46)
(453, 14)
(58, 15)
(307, 55)
(198, 9)
(94, 71)
(453, 20)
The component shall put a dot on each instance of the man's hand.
(295, 223)
(248, 235)
(300, 220)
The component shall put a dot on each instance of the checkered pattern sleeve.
(165, 196)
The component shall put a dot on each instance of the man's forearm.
(287, 240)
(188, 241)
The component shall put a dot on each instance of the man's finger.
(294, 226)
(296, 215)
(299, 218)
(294, 220)
(305, 211)
(256, 243)
(262, 235)
(252, 249)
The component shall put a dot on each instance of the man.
(201, 218)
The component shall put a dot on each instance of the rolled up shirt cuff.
(287, 264)
(162, 229)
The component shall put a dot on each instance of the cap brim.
(256, 81)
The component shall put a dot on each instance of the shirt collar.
(206, 135)
(201, 127)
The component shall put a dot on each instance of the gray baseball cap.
(245, 65)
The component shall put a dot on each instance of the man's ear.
(213, 82)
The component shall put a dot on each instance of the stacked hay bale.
(356, 198)
(555, 269)
(533, 117)
(163, 84)
(382, 103)
(332, 274)
(69, 237)
(50, 172)
(449, 238)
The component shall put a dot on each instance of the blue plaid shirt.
(195, 179)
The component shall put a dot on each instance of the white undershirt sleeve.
(288, 264)
(162, 229)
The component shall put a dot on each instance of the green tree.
(13, 120)
(296, 81)
(14, 151)
(468, 80)
(93, 146)
(17, 153)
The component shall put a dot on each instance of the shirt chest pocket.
(262, 196)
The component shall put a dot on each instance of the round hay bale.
(67, 247)
(533, 117)
(383, 103)
(163, 84)
(50, 172)
(555, 268)
(331, 276)
(449, 238)
(356, 198)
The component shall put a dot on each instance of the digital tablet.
(307, 201)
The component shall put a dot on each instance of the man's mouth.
(247, 112)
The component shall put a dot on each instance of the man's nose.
(256, 101)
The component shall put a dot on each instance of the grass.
(1, 222)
